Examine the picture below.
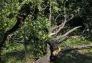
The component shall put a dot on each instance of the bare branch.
(60, 39)
(60, 27)
(72, 16)
(67, 33)
(57, 17)
(55, 30)
(50, 15)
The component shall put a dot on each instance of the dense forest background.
(26, 26)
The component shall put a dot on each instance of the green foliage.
(35, 32)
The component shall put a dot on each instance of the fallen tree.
(55, 40)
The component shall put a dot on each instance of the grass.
(15, 53)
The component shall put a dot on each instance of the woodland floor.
(17, 54)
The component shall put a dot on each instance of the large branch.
(55, 30)
(55, 42)
(60, 39)
(70, 31)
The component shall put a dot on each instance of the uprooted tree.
(57, 32)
